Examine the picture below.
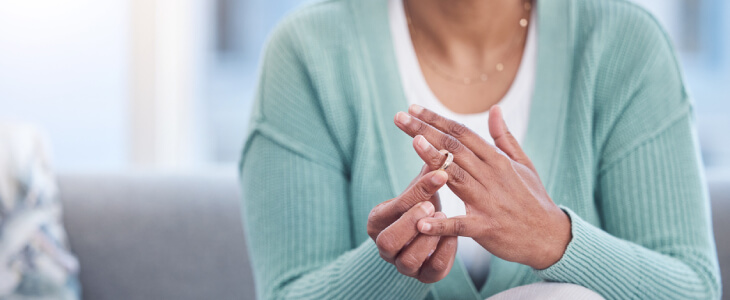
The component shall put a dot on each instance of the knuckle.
(439, 264)
(457, 129)
(408, 264)
(372, 225)
(403, 204)
(440, 227)
(376, 212)
(415, 196)
(373, 215)
(422, 191)
(451, 243)
(425, 280)
(372, 232)
(385, 258)
(502, 161)
(509, 136)
(386, 244)
(460, 227)
(437, 159)
(458, 176)
(429, 117)
(450, 143)
(419, 126)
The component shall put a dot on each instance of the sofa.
(152, 235)
(156, 235)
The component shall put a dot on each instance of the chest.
(467, 98)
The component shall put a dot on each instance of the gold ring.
(449, 159)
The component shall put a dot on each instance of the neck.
(476, 26)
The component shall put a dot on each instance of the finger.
(463, 155)
(455, 226)
(463, 134)
(423, 190)
(435, 197)
(376, 220)
(393, 238)
(410, 259)
(504, 139)
(460, 182)
(440, 262)
(428, 153)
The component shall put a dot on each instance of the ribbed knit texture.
(623, 161)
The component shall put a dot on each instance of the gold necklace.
(484, 75)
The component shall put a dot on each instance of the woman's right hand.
(392, 225)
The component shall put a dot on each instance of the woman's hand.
(508, 211)
(392, 225)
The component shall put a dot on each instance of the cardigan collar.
(547, 112)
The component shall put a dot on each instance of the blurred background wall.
(122, 84)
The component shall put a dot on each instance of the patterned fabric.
(35, 262)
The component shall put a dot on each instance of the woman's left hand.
(508, 210)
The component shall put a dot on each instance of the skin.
(508, 210)
(463, 38)
(392, 225)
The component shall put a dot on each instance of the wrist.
(556, 243)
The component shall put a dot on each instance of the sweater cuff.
(584, 254)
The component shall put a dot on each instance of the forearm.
(655, 239)
(298, 230)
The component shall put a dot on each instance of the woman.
(598, 184)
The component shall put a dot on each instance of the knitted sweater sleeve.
(296, 196)
(655, 239)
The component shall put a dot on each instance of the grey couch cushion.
(157, 236)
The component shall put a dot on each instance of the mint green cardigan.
(610, 133)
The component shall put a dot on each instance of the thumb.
(456, 226)
(503, 138)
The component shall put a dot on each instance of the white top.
(515, 107)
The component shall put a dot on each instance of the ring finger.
(462, 155)
(461, 182)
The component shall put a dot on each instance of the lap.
(548, 290)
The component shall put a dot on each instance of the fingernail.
(403, 118)
(415, 109)
(423, 143)
(439, 178)
(425, 227)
